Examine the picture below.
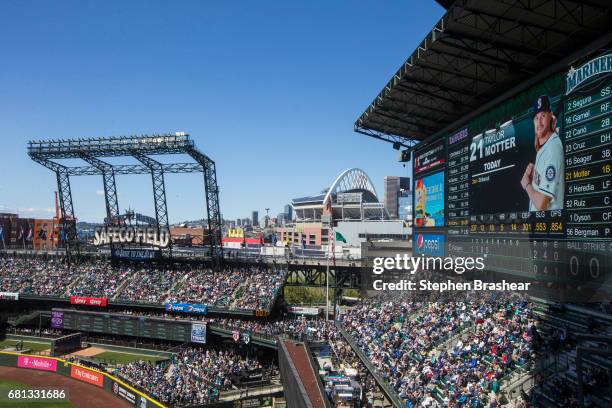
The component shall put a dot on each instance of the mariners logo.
(550, 173)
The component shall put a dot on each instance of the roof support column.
(159, 192)
(110, 187)
(213, 208)
(67, 220)
(110, 192)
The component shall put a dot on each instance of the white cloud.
(100, 192)
(28, 210)
(33, 210)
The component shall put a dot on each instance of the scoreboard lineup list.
(575, 241)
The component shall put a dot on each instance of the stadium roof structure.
(90, 150)
(479, 50)
(351, 196)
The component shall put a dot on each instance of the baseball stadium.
(502, 113)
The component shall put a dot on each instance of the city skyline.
(117, 69)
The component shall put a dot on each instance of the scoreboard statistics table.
(124, 325)
(528, 184)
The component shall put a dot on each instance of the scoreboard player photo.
(543, 181)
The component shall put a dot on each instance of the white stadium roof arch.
(351, 196)
(353, 179)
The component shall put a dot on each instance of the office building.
(392, 189)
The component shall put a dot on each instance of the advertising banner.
(43, 234)
(186, 308)
(87, 376)
(57, 320)
(430, 157)
(428, 244)
(309, 311)
(25, 232)
(9, 296)
(198, 333)
(88, 301)
(136, 254)
(37, 363)
(123, 393)
(429, 201)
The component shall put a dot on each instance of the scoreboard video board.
(123, 325)
(528, 184)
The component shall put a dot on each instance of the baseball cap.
(542, 104)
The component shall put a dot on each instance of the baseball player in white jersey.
(544, 181)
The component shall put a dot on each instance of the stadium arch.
(351, 180)
(352, 195)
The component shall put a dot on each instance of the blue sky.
(269, 90)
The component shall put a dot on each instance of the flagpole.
(327, 276)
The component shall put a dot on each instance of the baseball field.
(112, 356)
(78, 394)
(6, 386)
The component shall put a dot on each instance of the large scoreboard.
(528, 184)
(128, 325)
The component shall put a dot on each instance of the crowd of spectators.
(236, 288)
(345, 360)
(151, 285)
(442, 351)
(311, 329)
(204, 284)
(405, 341)
(35, 276)
(26, 331)
(195, 376)
(259, 289)
(15, 274)
(100, 279)
(250, 287)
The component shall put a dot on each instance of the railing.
(256, 391)
(382, 383)
(133, 385)
(156, 306)
(125, 343)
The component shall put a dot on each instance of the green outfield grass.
(124, 358)
(26, 345)
(6, 386)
